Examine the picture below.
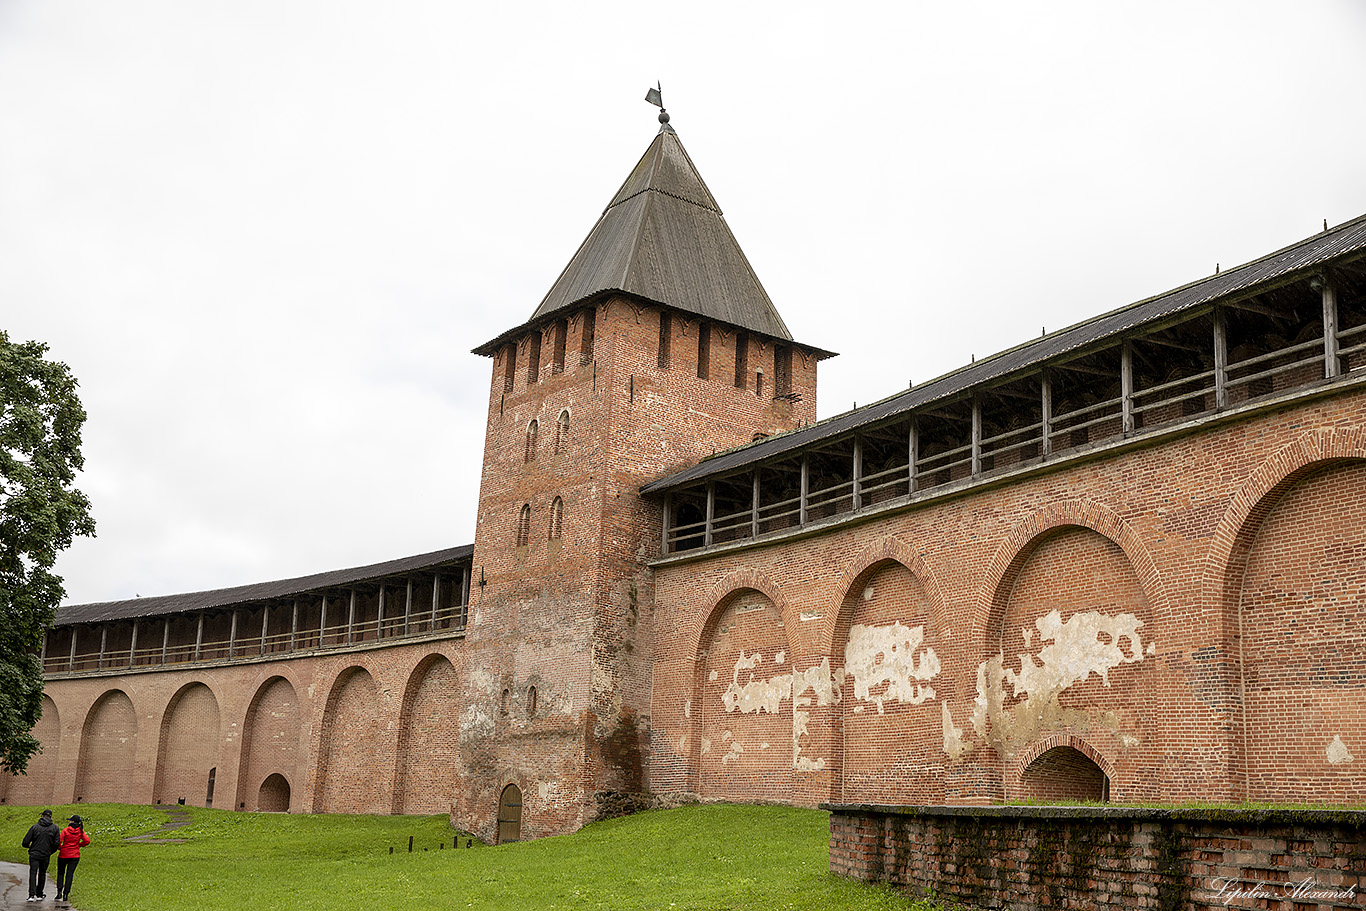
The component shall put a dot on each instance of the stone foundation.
(1025, 858)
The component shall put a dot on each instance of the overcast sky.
(265, 234)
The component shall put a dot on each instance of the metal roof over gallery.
(1282, 325)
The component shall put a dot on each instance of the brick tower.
(656, 346)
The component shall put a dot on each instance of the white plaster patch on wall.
(481, 679)
(735, 749)
(953, 736)
(1088, 643)
(755, 694)
(780, 658)
(799, 725)
(820, 684)
(706, 745)
(876, 655)
(713, 675)
(544, 790)
(1338, 754)
(687, 708)
(819, 681)
(811, 615)
(475, 724)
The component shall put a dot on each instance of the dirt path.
(178, 818)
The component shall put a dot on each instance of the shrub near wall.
(1025, 858)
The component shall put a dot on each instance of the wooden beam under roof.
(1170, 343)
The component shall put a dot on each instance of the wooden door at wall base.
(510, 815)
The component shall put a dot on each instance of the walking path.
(177, 819)
(14, 888)
(14, 877)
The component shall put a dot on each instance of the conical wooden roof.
(663, 239)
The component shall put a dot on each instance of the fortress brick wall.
(1123, 562)
(546, 689)
(1168, 620)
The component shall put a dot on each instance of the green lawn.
(746, 858)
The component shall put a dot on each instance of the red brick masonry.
(1024, 858)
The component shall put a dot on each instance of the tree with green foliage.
(41, 512)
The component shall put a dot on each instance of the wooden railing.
(963, 454)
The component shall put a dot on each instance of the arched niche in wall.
(743, 701)
(188, 746)
(1069, 646)
(36, 785)
(1299, 579)
(424, 780)
(109, 740)
(273, 795)
(347, 780)
(890, 647)
(1063, 774)
(270, 742)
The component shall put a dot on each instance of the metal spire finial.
(656, 98)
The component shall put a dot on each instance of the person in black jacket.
(42, 841)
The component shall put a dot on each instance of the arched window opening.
(562, 432)
(531, 430)
(556, 519)
(1064, 774)
(510, 815)
(531, 696)
(741, 359)
(504, 701)
(524, 525)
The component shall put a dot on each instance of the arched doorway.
(1064, 774)
(510, 815)
(274, 795)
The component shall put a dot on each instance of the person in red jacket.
(72, 839)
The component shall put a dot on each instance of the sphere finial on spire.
(655, 96)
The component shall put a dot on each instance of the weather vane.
(655, 98)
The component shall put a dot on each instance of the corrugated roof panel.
(260, 591)
(663, 239)
(666, 167)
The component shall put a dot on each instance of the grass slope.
(714, 857)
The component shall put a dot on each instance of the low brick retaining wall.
(1023, 858)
